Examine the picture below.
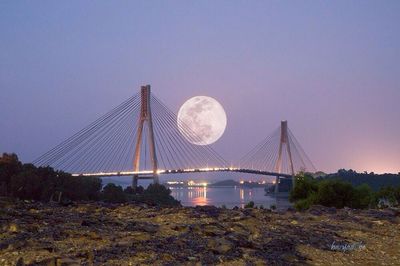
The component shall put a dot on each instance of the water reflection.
(198, 195)
(228, 196)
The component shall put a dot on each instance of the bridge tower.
(283, 143)
(145, 117)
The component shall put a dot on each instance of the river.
(228, 196)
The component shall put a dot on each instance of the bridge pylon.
(284, 143)
(145, 117)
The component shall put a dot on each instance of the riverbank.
(124, 234)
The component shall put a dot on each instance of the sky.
(331, 68)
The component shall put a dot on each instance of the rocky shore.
(107, 234)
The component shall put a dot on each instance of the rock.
(316, 210)
(331, 210)
(48, 262)
(68, 262)
(248, 212)
(141, 226)
(394, 211)
(220, 245)
(210, 211)
(213, 230)
(20, 262)
(48, 235)
(13, 228)
(89, 223)
(180, 227)
(148, 227)
(239, 217)
(378, 222)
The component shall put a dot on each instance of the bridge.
(143, 138)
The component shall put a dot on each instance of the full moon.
(202, 120)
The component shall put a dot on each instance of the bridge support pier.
(145, 117)
(276, 184)
(284, 141)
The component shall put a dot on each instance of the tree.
(113, 193)
(389, 194)
(249, 205)
(9, 166)
(26, 185)
(158, 195)
(335, 193)
(305, 185)
(363, 197)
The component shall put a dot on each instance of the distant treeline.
(375, 181)
(28, 182)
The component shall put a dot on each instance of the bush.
(363, 197)
(334, 193)
(26, 181)
(26, 185)
(304, 204)
(9, 166)
(249, 205)
(114, 194)
(387, 194)
(305, 185)
(157, 194)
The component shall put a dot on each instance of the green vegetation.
(28, 182)
(25, 181)
(114, 194)
(339, 194)
(249, 205)
(375, 181)
(157, 194)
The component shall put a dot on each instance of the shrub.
(114, 194)
(129, 190)
(249, 205)
(331, 193)
(388, 194)
(304, 204)
(334, 193)
(26, 181)
(9, 166)
(26, 185)
(157, 194)
(363, 197)
(305, 185)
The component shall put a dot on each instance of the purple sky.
(331, 68)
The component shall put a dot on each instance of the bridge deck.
(143, 174)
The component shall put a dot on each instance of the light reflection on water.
(228, 196)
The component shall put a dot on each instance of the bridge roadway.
(149, 174)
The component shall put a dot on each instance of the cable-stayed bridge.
(142, 138)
